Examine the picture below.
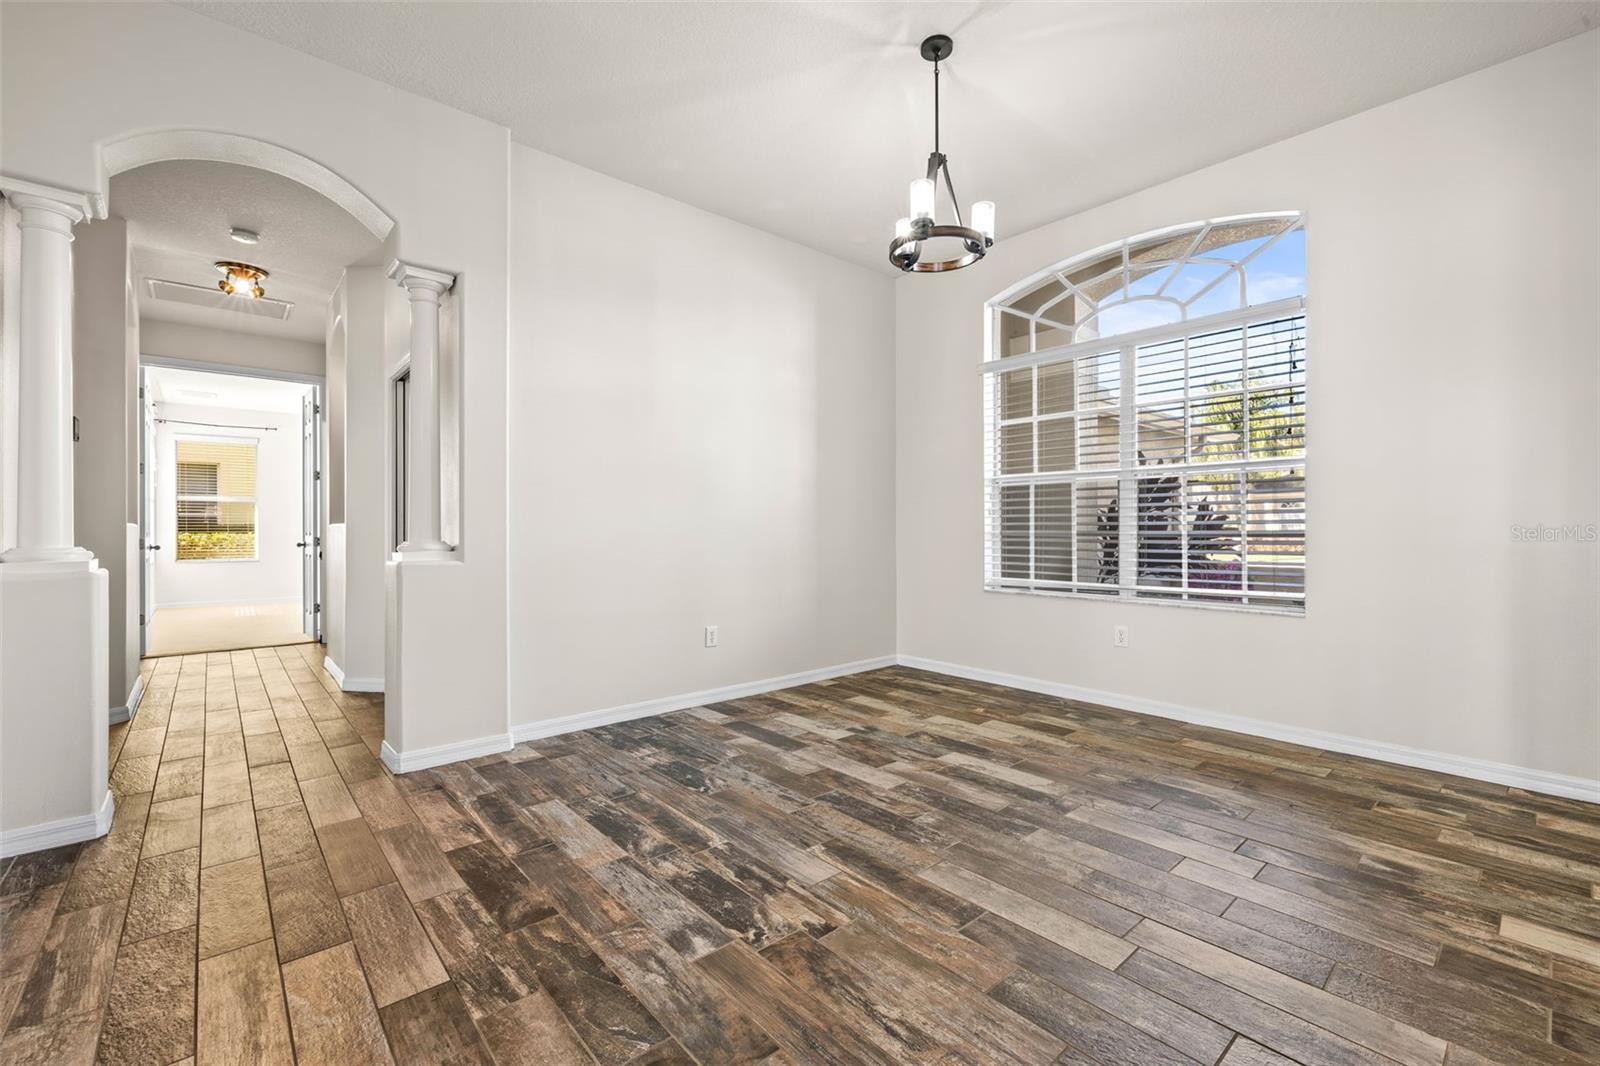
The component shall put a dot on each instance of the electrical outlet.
(1119, 636)
(711, 636)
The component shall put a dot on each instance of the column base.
(54, 662)
(424, 549)
(49, 558)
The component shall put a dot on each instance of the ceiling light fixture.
(912, 233)
(244, 236)
(241, 279)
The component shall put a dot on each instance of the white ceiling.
(808, 119)
(179, 214)
(198, 388)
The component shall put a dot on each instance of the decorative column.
(54, 599)
(44, 385)
(423, 505)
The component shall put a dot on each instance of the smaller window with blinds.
(216, 498)
(1144, 421)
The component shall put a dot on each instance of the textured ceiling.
(808, 119)
(179, 214)
(196, 388)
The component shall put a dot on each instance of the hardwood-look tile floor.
(891, 867)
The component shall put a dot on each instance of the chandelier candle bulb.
(983, 218)
(922, 198)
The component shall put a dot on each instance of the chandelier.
(241, 279)
(912, 234)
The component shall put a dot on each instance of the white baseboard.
(60, 832)
(126, 712)
(1542, 781)
(351, 684)
(423, 758)
(570, 723)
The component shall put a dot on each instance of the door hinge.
(141, 619)
(316, 475)
(317, 609)
(316, 408)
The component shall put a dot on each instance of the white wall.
(356, 546)
(1454, 330)
(202, 344)
(274, 575)
(105, 362)
(701, 432)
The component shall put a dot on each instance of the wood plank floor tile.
(150, 1016)
(532, 1032)
(421, 867)
(225, 783)
(240, 1011)
(227, 833)
(433, 1028)
(355, 861)
(328, 800)
(306, 915)
(25, 920)
(166, 895)
(233, 906)
(286, 835)
(73, 969)
(703, 1018)
(1071, 933)
(396, 954)
(331, 1011)
(64, 1040)
(1193, 1034)
(1399, 1041)
(173, 825)
(608, 1018)
(500, 886)
(273, 785)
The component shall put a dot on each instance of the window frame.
(1126, 473)
(179, 498)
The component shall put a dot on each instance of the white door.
(310, 522)
(148, 546)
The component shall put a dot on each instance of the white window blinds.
(216, 499)
(1165, 464)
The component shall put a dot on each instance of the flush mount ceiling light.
(911, 235)
(244, 236)
(241, 279)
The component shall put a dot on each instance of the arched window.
(1144, 420)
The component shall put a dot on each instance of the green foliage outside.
(216, 544)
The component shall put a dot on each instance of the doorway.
(230, 508)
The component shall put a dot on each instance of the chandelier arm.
(949, 185)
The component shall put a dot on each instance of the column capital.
(31, 196)
(421, 282)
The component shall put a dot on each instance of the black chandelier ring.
(976, 244)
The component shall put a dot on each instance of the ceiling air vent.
(200, 296)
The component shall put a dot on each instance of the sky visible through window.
(1277, 273)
